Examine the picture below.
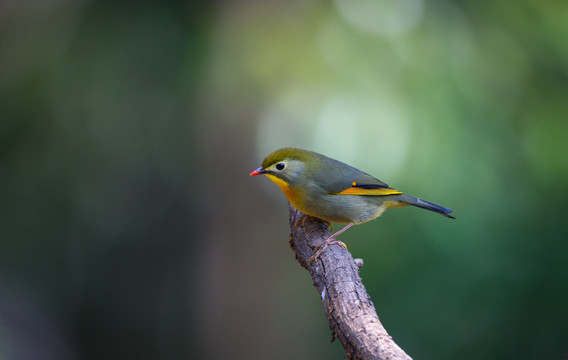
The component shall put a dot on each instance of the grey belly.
(344, 209)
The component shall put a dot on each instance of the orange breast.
(293, 196)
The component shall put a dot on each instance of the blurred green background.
(129, 226)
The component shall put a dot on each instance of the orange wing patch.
(366, 189)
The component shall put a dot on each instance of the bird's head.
(285, 166)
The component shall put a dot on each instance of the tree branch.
(349, 310)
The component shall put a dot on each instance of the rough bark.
(351, 314)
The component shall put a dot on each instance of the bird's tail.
(425, 204)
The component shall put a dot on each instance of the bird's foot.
(319, 250)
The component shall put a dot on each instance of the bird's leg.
(329, 241)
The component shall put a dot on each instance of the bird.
(333, 191)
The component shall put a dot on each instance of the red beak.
(258, 171)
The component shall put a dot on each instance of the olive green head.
(286, 163)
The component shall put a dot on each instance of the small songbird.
(333, 191)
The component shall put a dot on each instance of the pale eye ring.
(280, 166)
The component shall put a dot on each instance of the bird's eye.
(280, 166)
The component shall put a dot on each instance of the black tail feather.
(425, 204)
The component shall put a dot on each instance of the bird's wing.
(347, 180)
(364, 184)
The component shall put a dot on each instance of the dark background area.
(129, 227)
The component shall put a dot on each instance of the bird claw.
(319, 250)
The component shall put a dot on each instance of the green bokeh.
(129, 227)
